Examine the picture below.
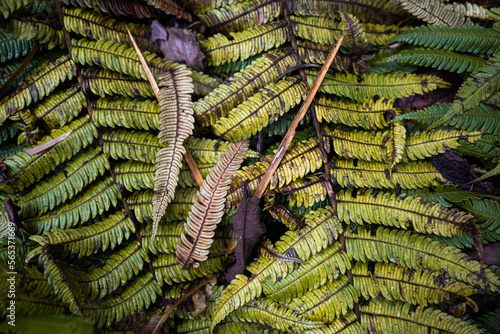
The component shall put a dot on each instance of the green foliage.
(32, 29)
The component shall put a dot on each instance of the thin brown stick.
(291, 131)
(21, 68)
(189, 159)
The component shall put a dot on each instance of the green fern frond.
(134, 145)
(170, 7)
(87, 240)
(417, 287)
(416, 251)
(389, 86)
(261, 109)
(37, 86)
(369, 115)
(382, 316)
(194, 326)
(219, 49)
(186, 178)
(355, 39)
(59, 188)
(117, 270)
(325, 266)
(242, 85)
(12, 48)
(95, 199)
(490, 320)
(29, 28)
(91, 24)
(290, 219)
(136, 9)
(31, 281)
(310, 52)
(7, 131)
(167, 238)
(487, 147)
(468, 39)
(322, 228)
(135, 175)
(137, 295)
(60, 108)
(27, 305)
(477, 88)
(305, 192)
(364, 174)
(203, 6)
(485, 211)
(128, 113)
(241, 15)
(210, 151)
(103, 82)
(24, 169)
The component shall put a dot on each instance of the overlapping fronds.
(127, 113)
(364, 174)
(207, 212)
(328, 302)
(355, 39)
(485, 211)
(219, 49)
(391, 210)
(87, 240)
(24, 169)
(369, 115)
(30, 28)
(477, 88)
(291, 220)
(322, 228)
(380, 11)
(34, 306)
(310, 52)
(268, 312)
(319, 269)
(242, 85)
(414, 286)
(65, 287)
(167, 238)
(186, 178)
(305, 192)
(91, 24)
(60, 108)
(389, 86)
(95, 199)
(37, 86)
(203, 6)
(440, 59)
(117, 270)
(384, 317)
(417, 251)
(59, 188)
(176, 124)
(105, 82)
(138, 294)
(261, 109)
(170, 7)
(134, 145)
(210, 151)
(241, 15)
(132, 8)
(486, 147)
(11, 48)
(469, 39)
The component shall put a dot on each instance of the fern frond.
(210, 151)
(37, 86)
(117, 270)
(31, 281)
(176, 124)
(94, 200)
(391, 210)
(103, 82)
(27, 305)
(417, 287)
(296, 163)
(363, 174)
(369, 115)
(170, 7)
(310, 52)
(29, 28)
(485, 211)
(268, 312)
(241, 15)
(135, 175)
(87, 240)
(291, 220)
(477, 88)
(128, 113)
(355, 39)
(440, 59)
(186, 178)
(261, 109)
(134, 145)
(219, 49)
(468, 39)
(242, 85)
(92, 24)
(12, 48)
(382, 316)
(136, 9)
(207, 212)
(59, 188)
(137, 295)
(322, 228)
(389, 86)
(167, 238)
(325, 266)
(60, 108)
(203, 6)
(416, 251)
(23, 169)
(396, 143)
(65, 287)
(354, 144)
(305, 192)
(487, 147)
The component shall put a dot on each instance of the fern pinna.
(380, 218)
